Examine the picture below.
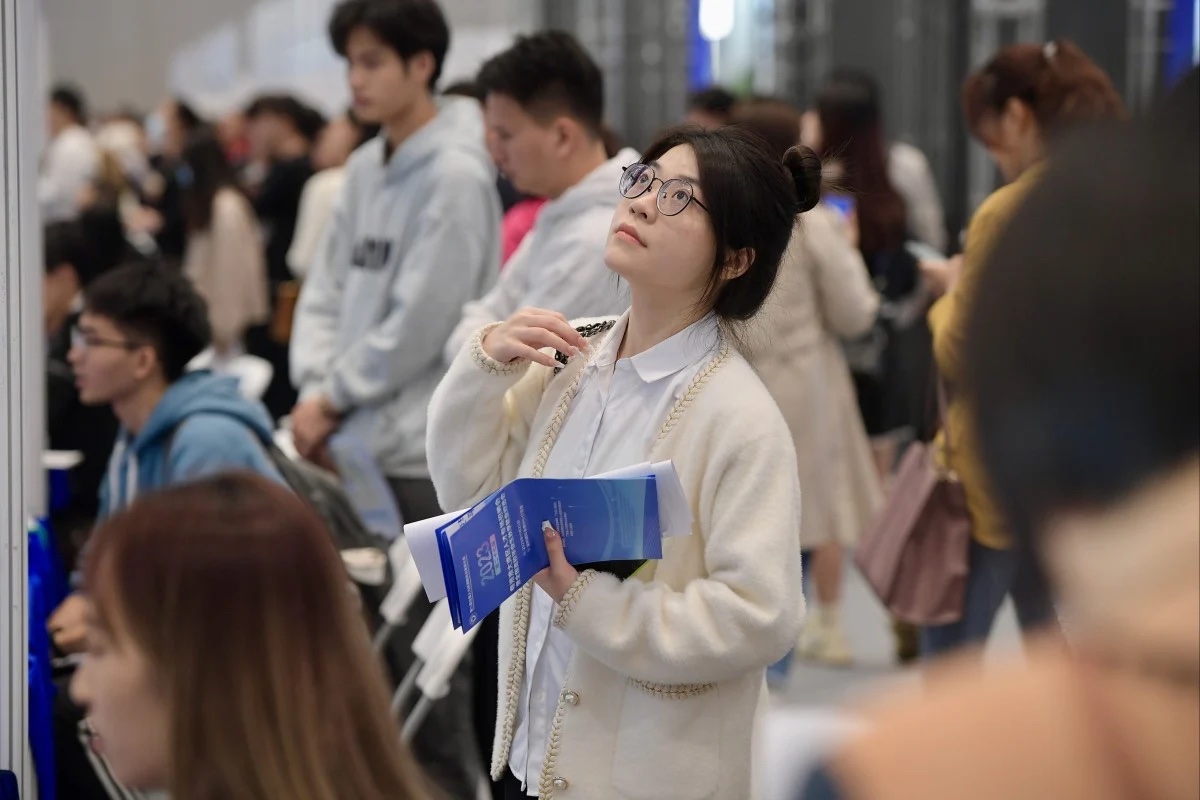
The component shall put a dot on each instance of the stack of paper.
(479, 557)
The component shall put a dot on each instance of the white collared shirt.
(612, 422)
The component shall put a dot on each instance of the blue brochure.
(495, 548)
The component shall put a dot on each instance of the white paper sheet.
(675, 515)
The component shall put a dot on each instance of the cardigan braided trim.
(677, 691)
(567, 605)
(489, 364)
(516, 666)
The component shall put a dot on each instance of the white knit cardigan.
(667, 678)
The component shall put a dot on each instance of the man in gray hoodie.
(415, 235)
(544, 106)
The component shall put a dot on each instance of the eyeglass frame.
(654, 177)
(83, 340)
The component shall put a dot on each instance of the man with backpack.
(141, 324)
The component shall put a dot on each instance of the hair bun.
(805, 167)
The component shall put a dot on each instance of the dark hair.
(409, 27)
(549, 74)
(70, 99)
(468, 88)
(1083, 366)
(305, 119)
(188, 118)
(204, 172)
(753, 198)
(158, 305)
(238, 570)
(62, 243)
(774, 121)
(715, 100)
(852, 132)
(1059, 83)
(92, 244)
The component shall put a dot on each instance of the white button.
(570, 698)
(561, 784)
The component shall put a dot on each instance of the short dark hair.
(70, 99)
(92, 244)
(1083, 358)
(753, 198)
(307, 121)
(158, 305)
(189, 119)
(715, 100)
(408, 27)
(62, 243)
(548, 74)
(470, 89)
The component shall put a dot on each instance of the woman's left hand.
(556, 579)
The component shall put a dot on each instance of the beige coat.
(667, 676)
(226, 265)
(823, 293)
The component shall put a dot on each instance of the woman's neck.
(652, 322)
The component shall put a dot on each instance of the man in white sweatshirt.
(415, 235)
(71, 160)
(544, 106)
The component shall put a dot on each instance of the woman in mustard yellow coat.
(1015, 106)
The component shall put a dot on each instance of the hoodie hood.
(599, 188)
(458, 128)
(202, 392)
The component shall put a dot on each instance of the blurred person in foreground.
(72, 158)
(1083, 371)
(226, 657)
(822, 294)
(544, 108)
(1018, 104)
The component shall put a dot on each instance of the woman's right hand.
(526, 332)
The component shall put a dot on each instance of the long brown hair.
(852, 133)
(1059, 83)
(234, 592)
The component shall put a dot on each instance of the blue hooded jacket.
(202, 426)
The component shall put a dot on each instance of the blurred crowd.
(437, 291)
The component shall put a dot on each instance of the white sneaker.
(824, 641)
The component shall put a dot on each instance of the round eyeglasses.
(673, 197)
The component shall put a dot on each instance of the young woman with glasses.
(646, 687)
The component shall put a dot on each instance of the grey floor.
(869, 630)
(813, 711)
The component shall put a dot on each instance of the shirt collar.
(685, 348)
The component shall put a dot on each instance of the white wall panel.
(220, 52)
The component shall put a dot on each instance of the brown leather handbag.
(914, 554)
